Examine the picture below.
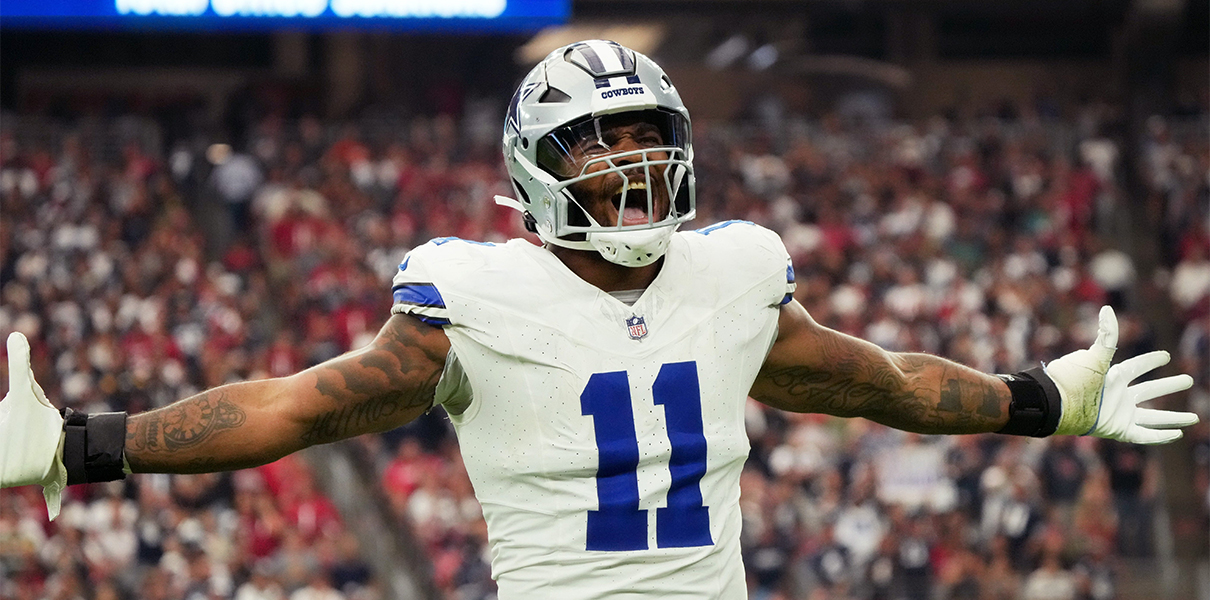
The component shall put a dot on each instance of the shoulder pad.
(752, 248)
(416, 287)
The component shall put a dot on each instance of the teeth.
(632, 185)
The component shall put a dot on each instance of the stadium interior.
(183, 206)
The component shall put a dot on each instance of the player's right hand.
(31, 431)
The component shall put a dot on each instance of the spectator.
(1130, 480)
(1049, 582)
(931, 236)
(260, 585)
(1062, 472)
(236, 178)
(318, 588)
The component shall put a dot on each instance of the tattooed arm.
(814, 369)
(382, 386)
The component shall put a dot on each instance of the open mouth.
(636, 203)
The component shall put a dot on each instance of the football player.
(597, 383)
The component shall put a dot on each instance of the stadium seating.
(146, 272)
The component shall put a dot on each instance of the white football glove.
(31, 431)
(1097, 397)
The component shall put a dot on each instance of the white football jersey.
(605, 441)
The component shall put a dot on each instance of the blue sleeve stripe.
(427, 314)
(431, 320)
(445, 240)
(786, 299)
(717, 226)
(419, 294)
(789, 273)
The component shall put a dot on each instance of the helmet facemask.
(654, 183)
(591, 116)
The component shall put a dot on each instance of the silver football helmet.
(558, 135)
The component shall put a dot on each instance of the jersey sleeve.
(415, 290)
(756, 252)
(790, 285)
(772, 243)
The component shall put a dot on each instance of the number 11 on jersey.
(619, 524)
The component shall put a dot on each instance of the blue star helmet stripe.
(513, 119)
(594, 61)
(626, 59)
(601, 58)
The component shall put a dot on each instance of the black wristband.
(1035, 406)
(93, 446)
(74, 446)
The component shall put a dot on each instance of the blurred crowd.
(149, 273)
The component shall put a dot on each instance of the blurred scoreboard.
(415, 15)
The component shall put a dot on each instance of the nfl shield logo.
(637, 327)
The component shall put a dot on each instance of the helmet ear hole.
(554, 96)
(521, 192)
(525, 143)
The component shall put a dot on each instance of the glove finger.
(1131, 368)
(1142, 435)
(1107, 335)
(1150, 390)
(19, 376)
(1163, 419)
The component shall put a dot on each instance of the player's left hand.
(31, 431)
(1099, 400)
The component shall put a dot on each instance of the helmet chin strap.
(571, 245)
(626, 248)
(633, 248)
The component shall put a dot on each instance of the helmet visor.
(566, 151)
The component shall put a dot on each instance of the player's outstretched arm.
(384, 385)
(814, 369)
(381, 386)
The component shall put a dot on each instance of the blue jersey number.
(619, 523)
